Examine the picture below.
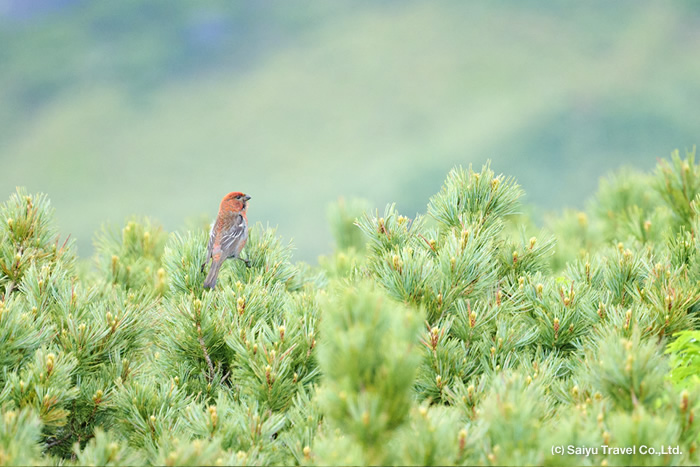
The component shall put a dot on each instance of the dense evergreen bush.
(462, 336)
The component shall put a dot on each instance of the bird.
(228, 235)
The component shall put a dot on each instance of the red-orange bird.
(228, 234)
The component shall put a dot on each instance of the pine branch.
(210, 377)
(8, 290)
(60, 441)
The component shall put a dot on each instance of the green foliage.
(20, 431)
(433, 436)
(582, 238)
(640, 428)
(20, 335)
(253, 335)
(350, 242)
(275, 358)
(440, 340)
(368, 366)
(27, 237)
(468, 197)
(685, 359)
(513, 412)
(270, 259)
(628, 371)
(45, 385)
(148, 409)
(627, 208)
(244, 428)
(678, 183)
(342, 217)
(105, 449)
(132, 258)
(341, 264)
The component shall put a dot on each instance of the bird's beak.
(246, 198)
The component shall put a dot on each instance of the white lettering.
(581, 451)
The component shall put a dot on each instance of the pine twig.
(8, 290)
(206, 354)
(57, 441)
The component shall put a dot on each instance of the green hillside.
(118, 108)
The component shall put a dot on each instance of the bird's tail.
(210, 281)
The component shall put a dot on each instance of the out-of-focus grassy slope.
(373, 100)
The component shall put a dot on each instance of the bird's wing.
(231, 238)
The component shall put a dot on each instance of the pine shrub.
(464, 335)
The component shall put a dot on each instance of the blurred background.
(160, 108)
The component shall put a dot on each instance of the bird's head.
(235, 200)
